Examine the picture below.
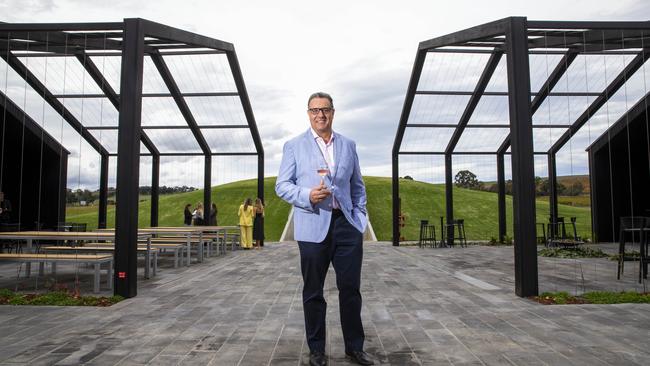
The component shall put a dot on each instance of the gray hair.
(321, 95)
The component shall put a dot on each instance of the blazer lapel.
(338, 149)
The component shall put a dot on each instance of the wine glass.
(323, 170)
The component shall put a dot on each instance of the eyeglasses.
(316, 111)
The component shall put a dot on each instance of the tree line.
(467, 179)
(79, 195)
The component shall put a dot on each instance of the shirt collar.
(316, 137)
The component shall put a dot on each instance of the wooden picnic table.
(30, 236)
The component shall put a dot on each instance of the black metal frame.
(132, 39)
(517, 37)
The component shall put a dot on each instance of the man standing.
(320, 176)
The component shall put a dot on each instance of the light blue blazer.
(300, 160)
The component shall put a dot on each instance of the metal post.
(260, 176)
(63, 185)
(449, 199)
(406, 111)
(128, 160)
(207, 189)
(155, 189)
(523, 174)
(103, 192)
(260, 182)
(501, 185)
(552, 183)
(396, 205)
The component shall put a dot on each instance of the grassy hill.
(424, 201)
(228, 197)
(419, 201)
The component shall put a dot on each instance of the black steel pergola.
(504, 53)
(134, 47)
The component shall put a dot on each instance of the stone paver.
(421, 307)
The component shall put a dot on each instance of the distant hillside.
(424, 201)
(420, 201)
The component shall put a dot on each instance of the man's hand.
(319, 193)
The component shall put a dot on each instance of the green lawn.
(419, 201)
(424, 201)
(228, 197)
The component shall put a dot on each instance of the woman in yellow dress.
(246, 214)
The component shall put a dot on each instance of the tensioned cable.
(22, 137)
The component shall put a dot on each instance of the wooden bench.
(95, 259)
(177, 248)
(101, 247)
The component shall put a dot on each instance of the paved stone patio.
(421, 306)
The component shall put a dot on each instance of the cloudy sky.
(359, 51)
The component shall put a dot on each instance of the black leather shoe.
(317, 359)
(360, 357)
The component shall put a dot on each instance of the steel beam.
(128, 160)
(233, 62)
(207, 188)
(167, 77)
(580, 25)
(103, 192)
(40, 88)
(155, 189)
(610, 90)
(501, 197)
(406, 111)
(485, 30)
(449, 199)
(161, 31)
(523, 174)
(112, 96)
(545, 91)
(552, 182)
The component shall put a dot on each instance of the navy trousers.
(343, 248)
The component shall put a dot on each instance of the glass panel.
(217, 110)
(452, 71)
(174, 140)
(437, 109)
(417, 139)
(201, 73)
(229, 140)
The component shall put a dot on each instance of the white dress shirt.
(327, 150)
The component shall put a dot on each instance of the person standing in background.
(258, 224)
(5, 209)
(197, 215)
(246, 213)
(213, 215)
(187, 220)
